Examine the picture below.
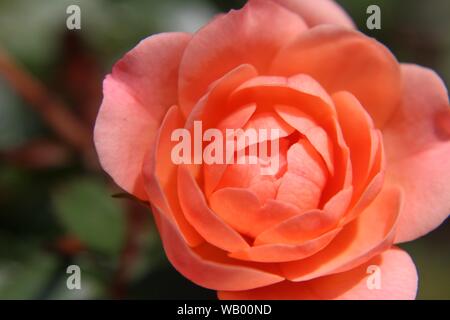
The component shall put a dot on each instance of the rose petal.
(280, 252)
(239, 37)
(357, 128)
(319, 12)
(370, 234)
(288, 90)
(210, 226)
(208, 268)
(339, 203)
(160, 175)
(213, 117)
(242, 210)
(398, 281)
(305, 178)
(345, 60)
(417, 143)
(325, 118)
(268, 120)
(367, 196)
(299, 229)
(138, 93)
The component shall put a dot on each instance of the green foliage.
(87, 210)
(26, 278)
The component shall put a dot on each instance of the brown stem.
(51, 109)
(38, 154)
(135, 220)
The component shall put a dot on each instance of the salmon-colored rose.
(364, 152)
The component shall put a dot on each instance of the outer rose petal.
(240, 37)
(319, 12)
(142, 86)
(398, 280)
(367, 236)
(345, 60)
(205, 270)
(160, 175)
(417, 141)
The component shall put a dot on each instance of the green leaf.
(26, 278)
(87, 210)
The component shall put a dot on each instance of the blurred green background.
(56, 207)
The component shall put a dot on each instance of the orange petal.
(239, 37)
(268, 120)
(238, 207)
(370, 234)
(160, 175)
(210, 226)
(339, 203)
(138, 93)
(396, 271)
(316, 135)
(272, 213)
(299, 90)
(205, 269)
(325, 118)
(305, 178)
(319, 12)
(207, 108)
(366, 198)
(243, 211)
(285, 252)
(299, 229)
(214, 172)
(357, 128)
(212, 117)
(417, 141)
(249, 176)
(343, 59)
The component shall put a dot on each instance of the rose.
(365, 152)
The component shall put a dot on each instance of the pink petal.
(398, 281)
(160, 175)
(285, 90)
(316, 135)
(417, 141)
(371, 191)
(302, 117)
(213, 117)
(239, 37)
(281, 252)
(242, 210)
(305, 178)
(298, 229)
(207, 267)
(268, 120)
(319, 12)
(138, 93)
(370, 234)
(339, 203)
(357, 128)
(345, 60)
(210, 226)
